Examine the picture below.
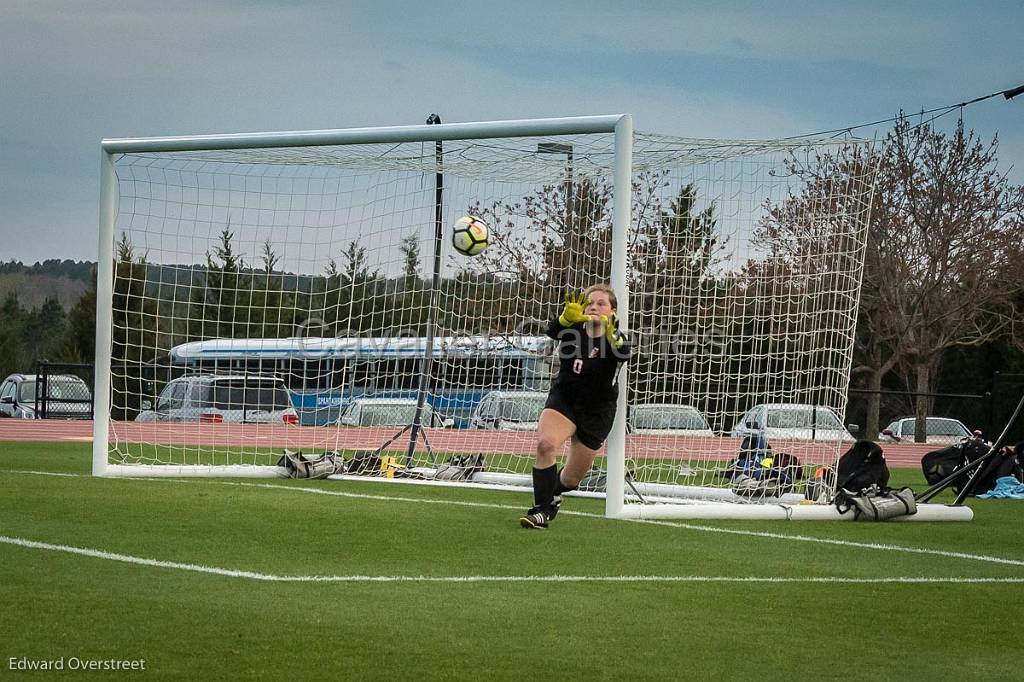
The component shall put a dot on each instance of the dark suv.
(67, 397)
(227, 399)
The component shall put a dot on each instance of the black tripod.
(426, 366)
(978, 468)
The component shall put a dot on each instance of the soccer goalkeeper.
(581, 404)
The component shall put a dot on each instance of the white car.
(791, 421)
(227, 399)
(388, 412)
(68, 397)
(509, 411)
(666, 419)
(938, 430)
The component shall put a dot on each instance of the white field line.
(231, 573)
(565, 512)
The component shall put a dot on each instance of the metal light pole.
(417, 427)
(562, 148)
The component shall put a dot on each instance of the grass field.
(224, 579)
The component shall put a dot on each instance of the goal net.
(301, 291)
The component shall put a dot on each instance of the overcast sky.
(74, 72)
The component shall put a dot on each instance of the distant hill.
(69, 269)
(67, 280)
(64, 280)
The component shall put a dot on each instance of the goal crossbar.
(578, 125)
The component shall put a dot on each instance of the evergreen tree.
(675, 256)
(79, 343)
(329, 299)
(410, 248)
(44, 331)
(134, 347)
(12, 321)
(222, 304)
(272, 313)
(359, 309)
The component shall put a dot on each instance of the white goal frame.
(620, 125)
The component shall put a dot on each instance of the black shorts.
(593, 422)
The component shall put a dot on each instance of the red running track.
(445, 440)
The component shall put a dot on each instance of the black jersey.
(588, 365)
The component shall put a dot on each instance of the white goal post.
(263, 292)
(618, 125)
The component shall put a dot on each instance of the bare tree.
(944, 230)
(812, 242)
(675, 252)
(951, 229)
(567, 248)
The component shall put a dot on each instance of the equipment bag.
(753, 450)
(861, 467)
(938, 464)
(299, 465)
(772, 476)
(595, 481)
(875, 504)
(819, 486)
(788, 467)
(365, 462)
(758, 487)
(460, 467)
(1004, 464)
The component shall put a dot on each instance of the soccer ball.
(469, 236)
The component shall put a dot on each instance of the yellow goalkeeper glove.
(611, 330)
(573, 311)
